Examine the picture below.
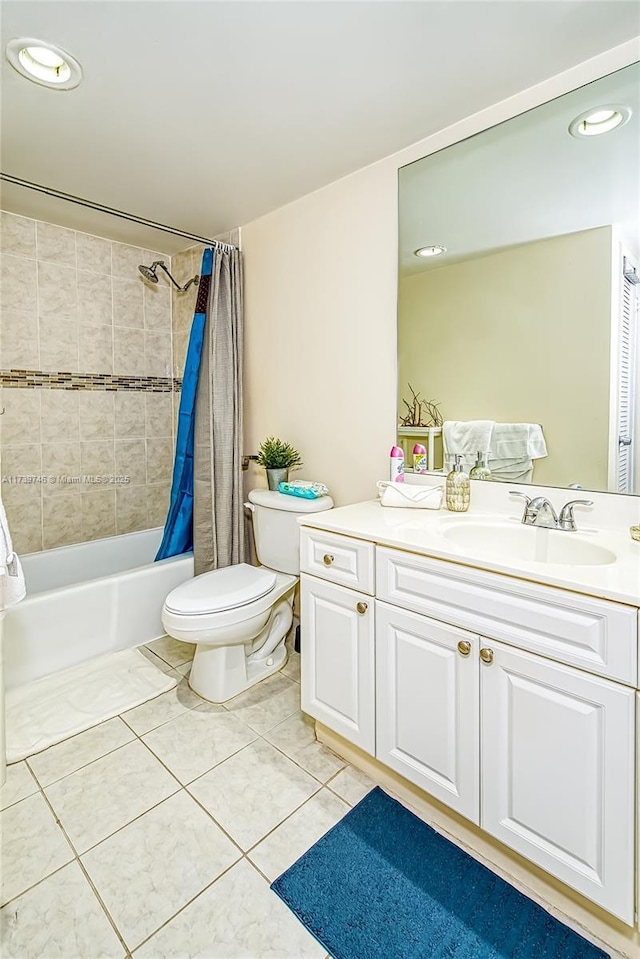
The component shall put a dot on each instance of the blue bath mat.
(384, 885)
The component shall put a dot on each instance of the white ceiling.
(205, 115)
(526, 179)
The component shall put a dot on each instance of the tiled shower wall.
(83, 456)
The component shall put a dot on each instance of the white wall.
(320, 286)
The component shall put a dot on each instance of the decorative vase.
(275, 476)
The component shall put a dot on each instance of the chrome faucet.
(538, 511)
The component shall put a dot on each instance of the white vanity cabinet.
(512, 702)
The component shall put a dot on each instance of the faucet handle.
(566, 520)
(516, 492)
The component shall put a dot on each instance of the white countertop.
(422, 531)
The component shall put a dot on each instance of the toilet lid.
(221, 589)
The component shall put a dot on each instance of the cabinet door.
(338, 659)
(557, 753)
(427, 705)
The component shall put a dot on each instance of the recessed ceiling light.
(44, 63)
(430, 251)
(599, 120)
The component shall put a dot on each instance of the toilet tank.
(276, 529)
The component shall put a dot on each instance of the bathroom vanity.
(491, 665)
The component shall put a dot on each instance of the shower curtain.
(206, 508)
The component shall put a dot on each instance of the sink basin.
(529, 544)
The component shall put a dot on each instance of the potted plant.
(278, 458)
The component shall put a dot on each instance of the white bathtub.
(87, 600)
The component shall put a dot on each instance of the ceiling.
(526, 179)
(205, 115)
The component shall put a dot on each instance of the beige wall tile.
(97, 415)
(180, 342)
(159, 460)
(130, 414)
(19, 463)
(157, 505)
(98, 514)
(21, 417)
(59, 343)
(159, 414)
(131, 461)
(17, 235)
(157, 308)
(60, 465)
(57, 291)
(97, 459)
(60, 417)
(19, 348)
(61, 519)
(94, 253)
(96, 349)
(95, 299)
(55, 244)
(126, 259)
(23, 505)
(17, 284)
(128, 306)
(128, 351)
(131, 508)
(157, 354)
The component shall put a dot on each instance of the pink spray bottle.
(396, 465)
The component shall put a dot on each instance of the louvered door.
(626, 377)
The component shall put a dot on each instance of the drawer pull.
(362, 608)
(464, 648)
(328, 559)
(486, 655)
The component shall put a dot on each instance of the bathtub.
(87, 600)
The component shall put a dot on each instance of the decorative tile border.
(37, 379)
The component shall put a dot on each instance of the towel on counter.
(12, 585)
(405, 496)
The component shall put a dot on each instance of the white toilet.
(239, 616)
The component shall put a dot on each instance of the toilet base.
(220, 673)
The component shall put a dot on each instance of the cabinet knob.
(362, 608)
(328, 559)
(486, 655)
(464, 648)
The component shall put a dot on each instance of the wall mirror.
(524, 328)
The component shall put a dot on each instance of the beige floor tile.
(106, 795)
(266, 704)
(236, 918)
(198, 740)
(253, 791)
(156, 660)
(18, 785)
(150, 869)
(298, 833)
(172, 650)
(351, 785)
(33, 845)
(59, 918)
(163, 708)
(291, 669)
(296, 738)
(72, 754)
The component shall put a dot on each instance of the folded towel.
(467, 437)
(12, 585)
(518, 441)
(410, 497)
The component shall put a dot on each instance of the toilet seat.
(221, 590)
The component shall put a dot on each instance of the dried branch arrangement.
(420, 412)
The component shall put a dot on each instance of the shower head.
(150, 273)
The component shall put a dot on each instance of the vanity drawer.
(593, 634)
(338, 559)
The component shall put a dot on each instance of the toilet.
(239, 616)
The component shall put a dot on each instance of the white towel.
(407, 496)
(12, 585)
(467, 437)
(511, 446)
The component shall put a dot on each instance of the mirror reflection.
(518, 295)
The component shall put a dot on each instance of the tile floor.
(156, 834)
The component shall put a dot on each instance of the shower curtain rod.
(131, 217)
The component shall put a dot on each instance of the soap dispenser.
(481, 469)
(458, 487)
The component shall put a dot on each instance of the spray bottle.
(396, 465)
(419, 458)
